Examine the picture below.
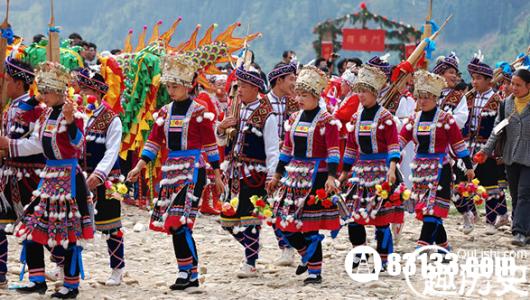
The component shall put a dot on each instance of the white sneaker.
(490, 229)
(468, 223)
(287, 257)
(502, 220)
(115, 277)
(247, 271)
(55, 274)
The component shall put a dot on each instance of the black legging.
(35, 261)
(186, 260)
(519, 184)
(357, 235)
(301, 241)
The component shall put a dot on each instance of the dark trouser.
(305, 243)
(35, 261)
(519, 184)
(249, 239)
(383, 236)
(185, 251)
(433, 232)
(249, 236)
(489, 174)
(3, 255)
(115, 250)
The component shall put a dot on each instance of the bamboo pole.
(427, 30)
(3, 50)
(53, 51)
(413, 59)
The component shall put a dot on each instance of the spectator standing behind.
(515, 152)
(289, 56)
(38, 37)
(89, 53)
(75, 39)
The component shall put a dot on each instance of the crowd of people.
(303, 148)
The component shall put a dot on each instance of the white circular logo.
(364, 270)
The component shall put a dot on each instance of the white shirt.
(461, 111)
(406, 108)
(112, 143)
(278, 105)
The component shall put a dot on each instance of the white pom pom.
(199, 119)
(159, 121)
(409, 127)
(287, 126)
(350, 127)
(9, 228)
(388, 122)
(336, 123)
(322, 130)
(447, 127)
(208, 115)
(451, 121)
(79, 115)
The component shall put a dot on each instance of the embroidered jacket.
(103, 140)
(20, 120)
(434, 133)
(53, 137)
(372, 134)
(182, 125)
(312, 134)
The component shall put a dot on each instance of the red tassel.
(229, 81)
(404, 67)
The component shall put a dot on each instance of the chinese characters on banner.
(363, 39)
(327, 49)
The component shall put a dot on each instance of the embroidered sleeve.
(352, 149)
(75, 132)
(209, 144)
(455, 138)
(112, 145)
(156, 138)
(287, 147)
(27, 146)
(405, 136)
(391, 138)
(332, 140)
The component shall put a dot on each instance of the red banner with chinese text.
(363, 39)
(327, 49)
